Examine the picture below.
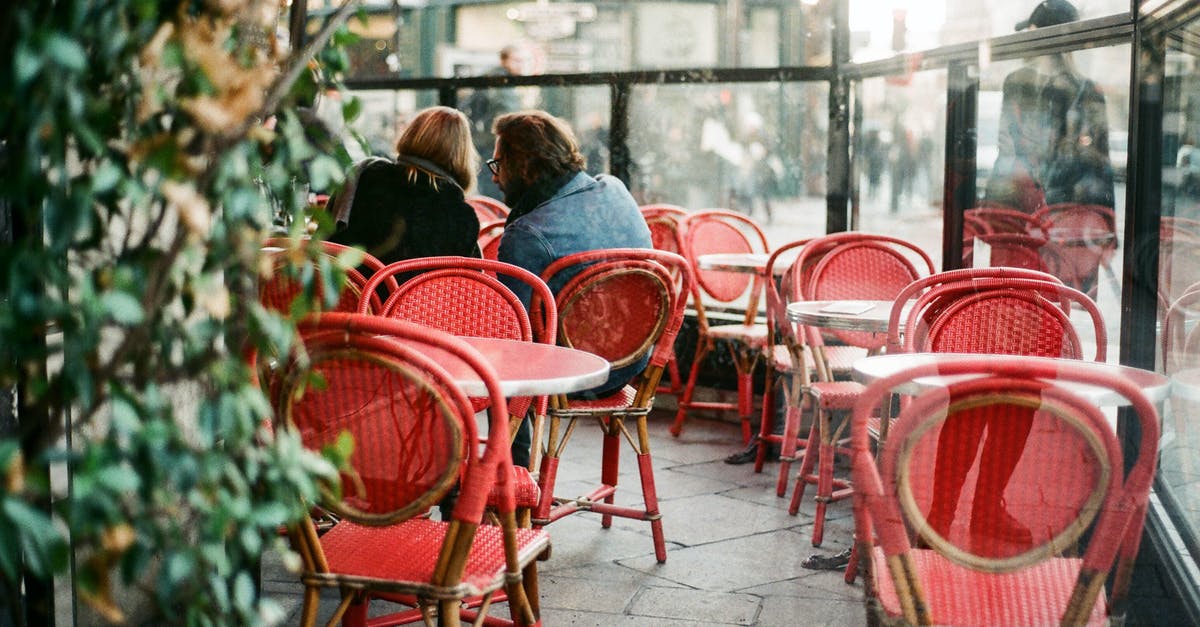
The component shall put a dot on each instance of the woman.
(414, 206)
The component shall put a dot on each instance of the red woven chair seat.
(841, 358)
(836, 395)
(960, 596)
(754, 335)
(781, 359)
(618, 400)
(353, 550)
(524, 487)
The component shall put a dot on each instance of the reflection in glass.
(1179, 276)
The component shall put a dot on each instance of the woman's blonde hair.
(442, 136)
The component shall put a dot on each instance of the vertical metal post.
(958, 192)
(838, 158)
(618, 131)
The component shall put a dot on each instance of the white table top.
(749, 263)
(529, 368)
(844, 315)
(1155, 386)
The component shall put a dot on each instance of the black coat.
(401, 212)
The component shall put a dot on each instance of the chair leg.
(611, 463)
(308, 611)
(852, 566)
(824, 486)
(745, 389)
(766, 424)
(811, 454)
(650, 497)
(791, 435)
(448, 613)
(685, 402)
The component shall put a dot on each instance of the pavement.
(733, 553)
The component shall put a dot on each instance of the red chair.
(1083, 239)
(721, 231)
(973, 573)
(489, 238)
(663, 222)
(488, 209)
(1011, 316)
(787, 356)
(1014, 250)
(463, 296)
(1007, 220)
(288, 258)
(845, 266)
(904, 300)
(414, 438)
(621, 304)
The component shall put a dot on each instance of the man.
(557, 209)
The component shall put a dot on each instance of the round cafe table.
(1155, 386)
(747, 263)
(844, 315)
(528, 368)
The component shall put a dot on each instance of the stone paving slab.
(731, 565)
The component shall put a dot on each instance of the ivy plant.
(149, 147)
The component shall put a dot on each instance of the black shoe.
(743, 457)
(836, 561)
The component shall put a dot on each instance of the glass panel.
(755, 148)
(1179, 272)
(881, 28)
(564, 37)
(899, 158)
(1052, 136)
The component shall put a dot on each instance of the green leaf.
(352, 108)
(26, 63)
(122, 307)
(120, 479)
(66, 52)
(41, 544)
(325, 171)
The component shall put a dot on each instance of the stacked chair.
(621, 304)
(1081, 512)
(415, 437)
(663, 222)
(721, 231)
(842, 266)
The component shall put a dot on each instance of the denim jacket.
(585, 214)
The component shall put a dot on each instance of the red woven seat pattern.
(961, 596)
(754, 335)
(413, 548)
(621, 399)
(525, 489)
(836, 395)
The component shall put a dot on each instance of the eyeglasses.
(494, 166)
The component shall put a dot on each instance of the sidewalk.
(733, 552)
